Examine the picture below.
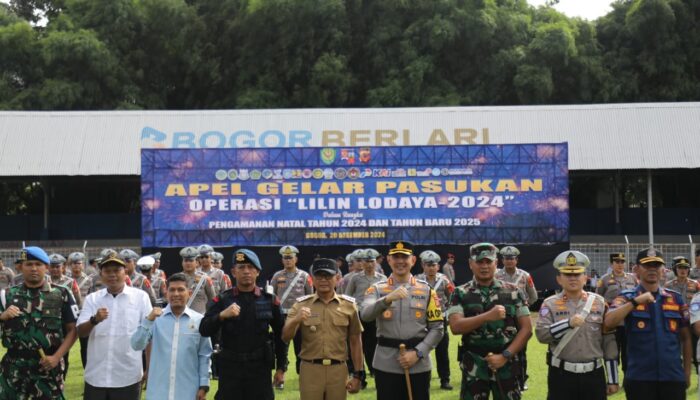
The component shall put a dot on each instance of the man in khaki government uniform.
(407, 311)
(609, 286)
(571, 323)
(289, 284)
(328, 321)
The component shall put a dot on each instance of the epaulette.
(304, 298)
(629, 293)
(550, 297)
(596, 296)
(422, 281)
(348, 298)
(673, 291)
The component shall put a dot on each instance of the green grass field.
(537, 369)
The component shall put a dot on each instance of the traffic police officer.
(328, 321)
(76, 264)
(512, 274)
(56, 274)
(220, 280)
(289, 284)
(137, 279)
(571, 323)
(6, 276)
(443, 287)
(158, 285)
(494, 321)
(407, 312)
(609, 286)
(353, 268)
(217, 261)
(157, 271)
(37, 321)
(244, 315)
(198, 282)
(656, 322)
(358, 285)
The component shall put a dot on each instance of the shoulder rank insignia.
(304, 298)
(348, 298)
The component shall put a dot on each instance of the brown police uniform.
(324, 341)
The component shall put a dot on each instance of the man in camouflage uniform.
(519, 277)
(137, 279)
(159, 286)
(76, 264)
(38, 329)
(571, 323)
(687, 288)
(444, 288)
(494, 321)
(289, 284)
(198, 282)
(218, 277)
(609, 286)
(6, 276)
(407, 312)
(358, 285)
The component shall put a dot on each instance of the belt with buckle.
(576, 368)
(324, 361)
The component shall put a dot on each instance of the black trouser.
(83, 350)
(251, 380)
(563, 384)
(442, 357)
(621, 339)
(369, 343)
(654, 390)
(65, 360)
(523, 366)
(131, 392)
(393, 386)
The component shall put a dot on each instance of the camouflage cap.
(571, 262)
(429, 257)
(480, 251)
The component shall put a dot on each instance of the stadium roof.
(600, 137)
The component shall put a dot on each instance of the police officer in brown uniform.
(6, 276)
(571, 322)
(407, 311)
(328, 322)
(609, 286)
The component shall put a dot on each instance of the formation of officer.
(443, 287)
(219, 279)
(199, 283)
(571, 323)
(145, 265)
(288, 284)
(37, 320)
(6, 276)
(328, 322)
(409, 326)
(610, 286)
(57, 276)
(244, 315)
(658, 334)
(519, 277)
(493, 318)
(136, 278)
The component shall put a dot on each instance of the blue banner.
(355, 195)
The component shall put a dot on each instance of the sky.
(588, 9)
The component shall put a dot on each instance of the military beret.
(245, 256)
(372, 254)
(429, 257)
(128, 254)
(480, 251)
(56, 259)
(681, 261)
(156, 256)
(76, 257)
(205, 250)
(401, 247)
(617, 256)
(216, 256)
(571, 262)
(110, 256)
(146, 262)
(189, 253)
(509, 251)
(288, 251)
(33, 253)
(650, 255)
(324, 265)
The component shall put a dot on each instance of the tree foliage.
(209, 54)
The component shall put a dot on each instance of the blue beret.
(34, 253)
(242, 256)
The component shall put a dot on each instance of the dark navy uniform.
(248, 351)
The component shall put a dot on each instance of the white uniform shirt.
(111, 363)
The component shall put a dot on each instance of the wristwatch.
(205, 388)
(507, 354)
(634, 302)
(358, 374)
(93, 320)
(419, 353)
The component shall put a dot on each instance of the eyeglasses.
(323, 277)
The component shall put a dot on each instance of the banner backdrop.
(355, 195)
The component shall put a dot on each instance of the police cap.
(216, 256)
(146, 263)
(650, 255)
(429, 257)
(401, 247)
(571, 262)
(56, 259)
(189, 253)
(509, 251)
(288, 251)
(617, 256)
(681, 261)
(76, 257)
(205, 250)
(128, 255)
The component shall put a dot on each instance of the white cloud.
(588, 9)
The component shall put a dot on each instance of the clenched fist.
(11, 312)
(304, 314)
(497, 313)
(101, 314)
(231, 311)
(155, 313)
(645, 298)
(576, 321)
(398, 294)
